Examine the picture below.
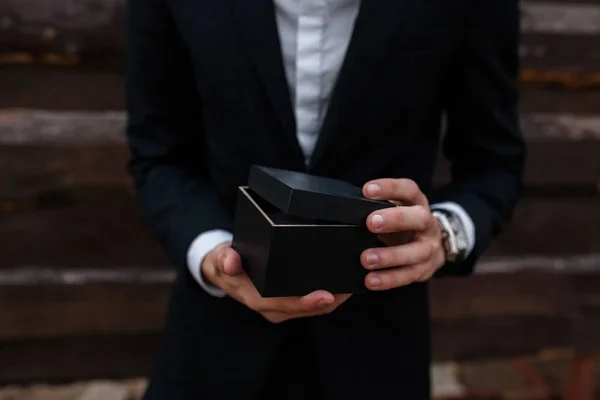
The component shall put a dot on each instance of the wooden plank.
(497, 295)
(565, 2)
(547, 171)
(42, 391)
(134, 389)
(51, 329)
(53, 23)
(561, 126)
(544, 100)
(572, 55)
(47, 170)
(522, 379)
(540, 269)
(44, 152)
(575, 264)
(576, 18)
(61, 89)
(502, 337)
(585, 308)
(18, 127)
(81, 309)
(41, 127)
(61, 359)
(558, 43)
(77, 29)
(37, 303)
(72, 358)
(105, 391)
(69, 89)
(114, 233)
(31, 175)
(582, 385)
(446, 383)
(549, 226)
(43, 174)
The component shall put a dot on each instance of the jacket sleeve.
(483, 141)
(164, 132)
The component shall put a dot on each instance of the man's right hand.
(223, 268)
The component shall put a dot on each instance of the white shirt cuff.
(464, 218)
(200, 247)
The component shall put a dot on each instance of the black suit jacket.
(207, 97)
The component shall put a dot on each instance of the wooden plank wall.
(83, 286)
(559, 41)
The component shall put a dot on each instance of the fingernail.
(373, 189)
(372, 258)
(224, 263)
(377, 221)
(375, 281)
(323, 303)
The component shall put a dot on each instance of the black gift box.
(297, 233)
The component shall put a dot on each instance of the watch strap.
(454, 238)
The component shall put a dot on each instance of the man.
(350, 89)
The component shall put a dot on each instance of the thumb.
(230, 262)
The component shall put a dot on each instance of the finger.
(341, 298)
(397, 238)
(323, 308)
(326, 307)
(230, 262)
(299, 305)
(394, 278)
(397, 256)
(399, 219)
(313, 301)
(402, 190)
(243, 290)
(277, 317)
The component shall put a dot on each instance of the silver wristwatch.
(454, 236)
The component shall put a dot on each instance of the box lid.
(307, 196)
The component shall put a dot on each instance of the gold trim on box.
(243, 189)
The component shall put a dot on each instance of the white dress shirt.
(314, 36)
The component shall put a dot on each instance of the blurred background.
(83, 286)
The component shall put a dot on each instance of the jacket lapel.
(377, 20)
(257, 26)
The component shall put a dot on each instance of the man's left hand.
(403, 261)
